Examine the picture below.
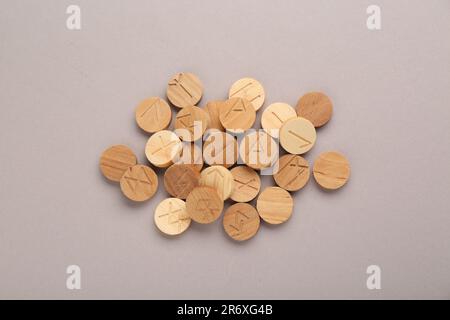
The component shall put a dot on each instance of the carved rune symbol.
(174, 216)
(164, 145)
(177, 82)
(206, 207)
(150, 107)
(182, 183)
(218, 176)
(185, 122)
(241, 88)
(137, 179)
(239, 220)
(297, 166)
(243, 184)
(276, 116)
(238, 106)
(305, 141)
(246, 91)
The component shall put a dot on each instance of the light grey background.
(67, 95)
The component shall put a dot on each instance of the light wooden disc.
(331, 170)
(316, 107)
(220, 148)
(191, 123)
(204, 205)
(275, 205)
(115, 160)
(153, 114)
(180, 180)
(293, 172)
(171, 216)
(274, 116)
(258, 150)
(241, 221)
(162, 148)
(191, 154)
(237, 115)
(184, 89)
(213, 110)
(139, 183)
(250, 89)
(297, 135)
(246, 184)
(219, 178)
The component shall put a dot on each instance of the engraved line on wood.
(239, 223)
(290, 164)
(178, 82)
(279, 119)
(232, 109)
(113, 167)
(181, 183)
(203, 205)
(150, 107)
(242, 88)
(301, 138)
(330, 176)
(171, 214)
(184, 115)
(148, 178)
(298, 174)
(106, 159)
(335, 161)
(189, 127)
(164, 145)
(137, 180)
(129, 183)
(215, 170)
(258, 96)
(246, 184)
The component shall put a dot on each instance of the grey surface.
(67, 95)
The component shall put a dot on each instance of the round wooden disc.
(115, 160)
(171, 216)
(191, 154)
(162, 148)
(204, 205)
(331, 170)
(246, 184)
(220, 148)
(219, 178)
(316, 107)
(275, 205)
(191, 123)
(293, 172)
(297, 135)
(184, 89)
(250, 89)
(237, 115)
(258, 150)
(275, 115)
(213, 110)
(139, 183)
(153, 114)
(180, 180)
(241, 221)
